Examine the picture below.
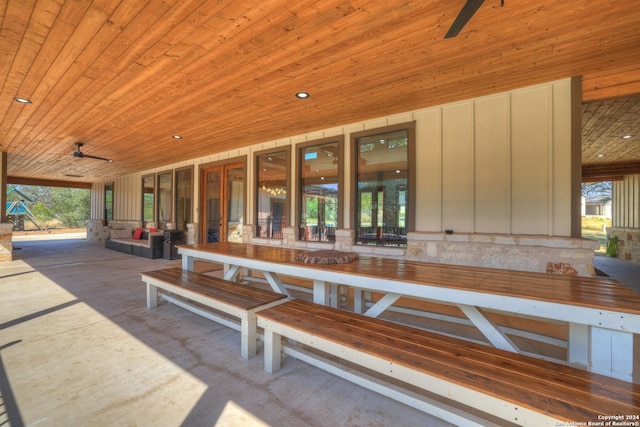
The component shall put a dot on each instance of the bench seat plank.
(235, 299)
(244, 297)
(561, 392)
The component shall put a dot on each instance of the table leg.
(358, 301)
(187, 262)
(320, 292)
(333, 297)
(578, 344)
(612, 353)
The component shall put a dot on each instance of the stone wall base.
(628, 242)
(96, 232)
(6, 246)
(553, 255)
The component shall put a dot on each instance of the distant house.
(597, 206)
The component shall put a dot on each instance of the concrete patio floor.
(78, 347)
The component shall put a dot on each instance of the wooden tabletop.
(592, 292)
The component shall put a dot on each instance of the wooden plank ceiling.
(124, 76)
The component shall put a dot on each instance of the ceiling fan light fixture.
(22, 100)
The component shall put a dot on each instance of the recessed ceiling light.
(22, 100)
(302, 95)
(177, 137)
(626, 136)
(600, 155)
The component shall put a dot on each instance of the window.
(165, 187)
(382, 177)
(108, 203)
(184, 197)
(319, 205)
(148, 199)
(272, 195)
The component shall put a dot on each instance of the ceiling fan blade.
(468, 10)
(80, 155)
(97, 158)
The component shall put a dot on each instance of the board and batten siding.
(626, 202)
(97, 200)
(501, 164)
(625, 223)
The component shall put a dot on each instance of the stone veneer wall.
(191, 233)
(628, 242)
(96, 232)
(6, 246)
(554, 255)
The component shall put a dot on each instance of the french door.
(222, 202)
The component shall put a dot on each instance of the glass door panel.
(184, 195)
(213, 214)
(223, 206)
(235, 203)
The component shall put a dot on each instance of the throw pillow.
(137, 234)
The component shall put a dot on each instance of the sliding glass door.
(222, 210)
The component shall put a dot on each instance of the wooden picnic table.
(603, 315)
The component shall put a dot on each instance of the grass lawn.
(592, 228)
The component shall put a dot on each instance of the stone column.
(96, 231)
(191, 233)
(6, 228)
(344, 240)
(6, 248)
(3, 186)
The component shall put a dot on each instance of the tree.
(597, 191)
(60, 207)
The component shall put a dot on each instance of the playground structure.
(18, 211)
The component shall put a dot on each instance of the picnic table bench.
(231, 298)
(601, 314)
(514, 387)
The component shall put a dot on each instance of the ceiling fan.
(80, 155)
(468, 10)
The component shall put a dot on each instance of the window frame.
(151, 176)
(410, 213)
(299, 202)
(108, 187)
(176, 175)
(256, 187)
(161, 223)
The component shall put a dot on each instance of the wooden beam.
(16, 180)
(609, 172)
